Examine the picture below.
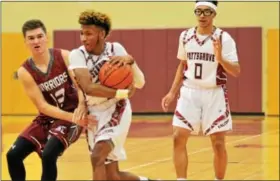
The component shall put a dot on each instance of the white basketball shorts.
(113, 124)
(207, 109)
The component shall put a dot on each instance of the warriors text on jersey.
(56, 84)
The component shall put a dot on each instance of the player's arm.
(181, 55)
(36, 96)
(177, 82)
(227, 55)
(83, 78)
(122, 55)
(65, 55)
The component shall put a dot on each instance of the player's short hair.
(32, 25)
(215, 2)
(91, 17)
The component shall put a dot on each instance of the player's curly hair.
(91, 17)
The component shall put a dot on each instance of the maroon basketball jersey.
(56, 84)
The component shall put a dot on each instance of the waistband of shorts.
(102, 106)
(200, 87)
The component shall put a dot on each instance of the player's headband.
(205, 3)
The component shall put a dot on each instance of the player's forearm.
(178, 79)
(100, 91)
(230, 67)
(81, 96)
(139, 79)
(55, 112)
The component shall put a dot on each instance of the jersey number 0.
(198, 70)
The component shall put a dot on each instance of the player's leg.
(216, 122)
(118, 153)
(63, 134)
(99, 154)
(180, 153)
(220, 154)
(112, 129)
(186, 120)
(15, 156)
(52, 150)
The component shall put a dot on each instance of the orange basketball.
(116, 77)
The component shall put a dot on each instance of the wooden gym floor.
(253, 151)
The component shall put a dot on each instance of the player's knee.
(97, 159)
(48, 156)
(100, 153)
(219, 146)
(180, 137)
(12, 156)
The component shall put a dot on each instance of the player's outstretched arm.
(82, 110)
(65, 55)
(36, 96)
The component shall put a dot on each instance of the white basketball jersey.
(203, 71)
(80, 58)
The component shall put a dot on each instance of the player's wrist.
(71, 117)
(122, 93)
(82, 103)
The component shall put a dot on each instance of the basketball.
(116, 77)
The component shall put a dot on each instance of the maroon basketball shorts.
(39, 131)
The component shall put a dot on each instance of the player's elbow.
(42, 107)
(88, 89)
(237, 71)
(140, 83)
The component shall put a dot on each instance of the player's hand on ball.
(217, 49)
(166, 101)
(121, 60)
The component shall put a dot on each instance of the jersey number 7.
(59, 97)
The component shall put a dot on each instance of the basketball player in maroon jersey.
(206, 55)
(110, 106)
(48, 84)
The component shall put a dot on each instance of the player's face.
(91, 37)
(36, 40)
(205, 16)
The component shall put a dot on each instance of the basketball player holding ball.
(110, 106)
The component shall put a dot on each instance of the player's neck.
(99, 49)
(42, 58)
(205, 30)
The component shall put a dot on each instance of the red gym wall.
(155, 51)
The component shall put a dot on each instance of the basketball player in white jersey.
(206, 55)
(111, 107)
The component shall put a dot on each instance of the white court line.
(255, 173)
(195, 152)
